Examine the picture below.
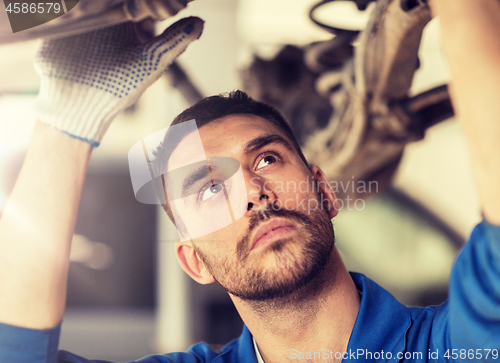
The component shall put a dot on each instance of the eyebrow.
(261, 141)
(195, 176)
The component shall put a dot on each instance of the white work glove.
(86, 80)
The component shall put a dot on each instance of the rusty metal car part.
(372, 116)
(93, 14)
(361, 5)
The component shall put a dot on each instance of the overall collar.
(380, 327)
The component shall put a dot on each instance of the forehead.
(226, 136)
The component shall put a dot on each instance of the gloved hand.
(86, 80)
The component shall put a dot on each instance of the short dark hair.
(206, 111)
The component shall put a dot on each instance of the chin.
(281, 270)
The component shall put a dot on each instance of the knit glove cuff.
(86, 80)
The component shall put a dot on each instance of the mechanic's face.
(281, 236)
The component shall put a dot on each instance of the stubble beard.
(296, 261)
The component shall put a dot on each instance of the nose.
(260, 194)
(250, 204)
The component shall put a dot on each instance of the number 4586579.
(32, 8)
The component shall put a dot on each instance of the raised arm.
(471, 40)
(36, 229)
(86, 81)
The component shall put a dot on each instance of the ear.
(330, 201)
(192, 264)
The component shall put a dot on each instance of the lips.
(272, 231)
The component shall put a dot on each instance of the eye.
(267, 160)
(211, 191)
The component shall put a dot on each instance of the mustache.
(261, 216)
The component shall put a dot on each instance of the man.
(276, 258)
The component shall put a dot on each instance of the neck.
(319, 316)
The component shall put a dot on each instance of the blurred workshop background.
(127, 296)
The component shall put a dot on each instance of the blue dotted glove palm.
(86, 80)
